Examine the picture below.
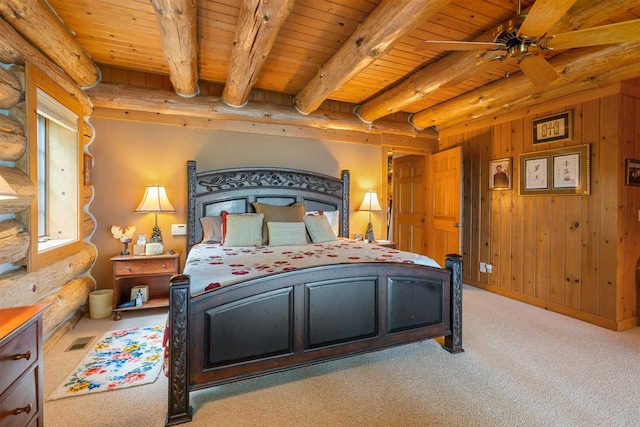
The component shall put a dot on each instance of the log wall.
(63, 285)
(575, 255)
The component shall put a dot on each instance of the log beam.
(256, 32)
(37, 23)
(178, 20)
(10, 89)
(459, 65)
(62, 331)
(14, 49)
(14, 241)
(88, 224)
(390, 21)
(582, 69)
(124, 97)
(67, 300)
(13, 141)
(22, 185)
(18, 287)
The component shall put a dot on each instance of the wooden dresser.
(21, 355)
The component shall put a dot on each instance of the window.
(54, 122)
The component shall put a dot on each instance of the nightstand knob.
(164, 266)
(26, 409)
(27, 356)
(128, 268)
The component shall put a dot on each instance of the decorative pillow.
(287, 233)
(272, 213)
(211, 228)
(332, 216)
(242, 229)
(319, 228)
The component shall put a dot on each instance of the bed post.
(453, 342)
(346, 178)
(191, 204)
(178, 410)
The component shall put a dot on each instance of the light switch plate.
(178, 229)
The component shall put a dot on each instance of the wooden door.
(444, 204)
(409, 207)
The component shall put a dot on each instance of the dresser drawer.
(20, 405)
(150, 266)
(17, 355)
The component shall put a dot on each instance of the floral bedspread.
(212, 266)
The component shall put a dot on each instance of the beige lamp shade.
(155, 200)
(6, 192)
(370, 202)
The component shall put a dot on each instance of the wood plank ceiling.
(125, 33)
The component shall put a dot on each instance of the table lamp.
(155, 200)
(371, 204)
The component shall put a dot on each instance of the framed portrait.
(500, 174)
(553, 128)
(559, 171)
(632, 172)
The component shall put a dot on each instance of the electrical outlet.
(489, 268)
(483, 267)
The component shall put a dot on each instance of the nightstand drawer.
(150, 266)
(21, 404)
(17, 355)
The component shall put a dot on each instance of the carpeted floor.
(522, 366)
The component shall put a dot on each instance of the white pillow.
(319, 228)
(211, 228)
(243, 230)
(287, 233)
(332, 216)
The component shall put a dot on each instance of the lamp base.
(156, 235)
(369, 233)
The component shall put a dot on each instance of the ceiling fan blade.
(538, 70)
(455, 45)
(542, 16)
(606, 34)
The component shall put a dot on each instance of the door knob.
(456, 225)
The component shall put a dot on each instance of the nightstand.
(135, 270)
(21, 364)
(391, 245)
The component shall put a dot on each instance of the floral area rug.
(120, 359)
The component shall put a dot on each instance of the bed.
(289, 318)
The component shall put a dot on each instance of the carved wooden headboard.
(233, 190)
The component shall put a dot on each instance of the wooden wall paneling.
(629, 255)
(506, 212)
(528, 223)
(589, 256)
(495, 200)
(517, 212)
(468, 154)
(609, 218)
(556, 248)
(542, 212)
(573, 251)
(485, 140)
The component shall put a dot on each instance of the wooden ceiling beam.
(256, 32)
(448, 70)
(581, 69)
(124, 97)
(388, 22)
(178, 21)
(38, 24)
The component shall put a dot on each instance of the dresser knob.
(164, 266)
(26, 409)
(27, 356)
(128, 268)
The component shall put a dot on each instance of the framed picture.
(559, 171)
(632, 172)
(500, 171)
(87, 171)
(553, 128)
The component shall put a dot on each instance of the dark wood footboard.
(305, 316)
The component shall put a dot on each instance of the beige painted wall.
(129, 156)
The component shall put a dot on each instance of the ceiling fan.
(525, 35)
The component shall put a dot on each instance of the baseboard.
(557, 308)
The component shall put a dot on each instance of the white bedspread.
(213, 266)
